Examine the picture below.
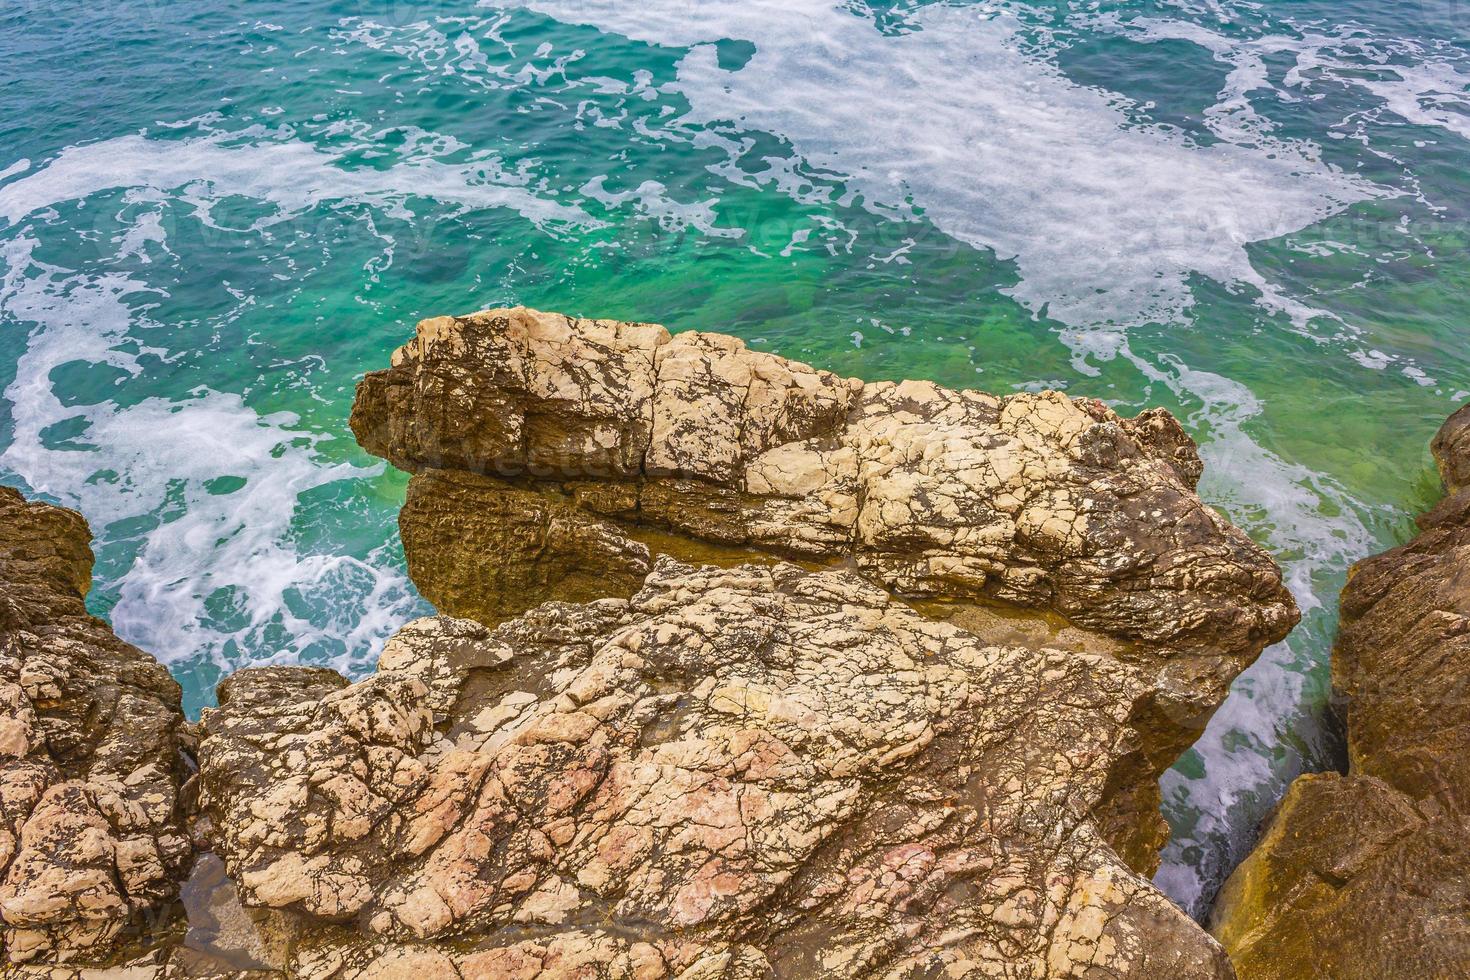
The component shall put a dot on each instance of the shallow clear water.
(215, 216)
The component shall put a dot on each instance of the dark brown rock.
(1364, 875)
(536, 547)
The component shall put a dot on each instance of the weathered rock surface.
(685, 727)
(553, 458)
(1364, 875)
(1035, 499)
(91, 840)
(739, 773)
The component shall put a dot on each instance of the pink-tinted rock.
(747, 772)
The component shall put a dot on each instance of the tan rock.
(553, 458)
(92, 845)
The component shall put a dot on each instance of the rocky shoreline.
(554, 458)
(744, 670)
(1362, 876)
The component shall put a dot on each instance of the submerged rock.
(554, 458)
(746, 772)
(92, 842)
(1363, 875)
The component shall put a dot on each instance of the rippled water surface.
(215, 216)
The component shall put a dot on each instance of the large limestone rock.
(1364, 875)
(747, 772)
(839, 680)
(91, 840)
(1035, 499)
(554, 458)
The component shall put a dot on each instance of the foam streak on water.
(289, 174)
(161, 455)
(1106, 221)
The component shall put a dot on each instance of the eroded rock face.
(1036, 499)
(555, 458)
(744, 772)
(1363, 875)
(753, 762)
(91, 841)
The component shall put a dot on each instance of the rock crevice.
(1375, 858)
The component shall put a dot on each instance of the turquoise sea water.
(214, 216)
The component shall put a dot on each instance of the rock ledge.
(92, 841)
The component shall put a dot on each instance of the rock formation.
(554, 457)
(749, 772)
(758, 672)
(92, 843)
(1363, 875)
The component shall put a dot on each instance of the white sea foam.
(651, 200)
(18, 167)
(1106, 220)
(1434, 93)
(1417, 84)
(289, 174)
(157, 456)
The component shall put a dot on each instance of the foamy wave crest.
(216, 578)
(1106, 220)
